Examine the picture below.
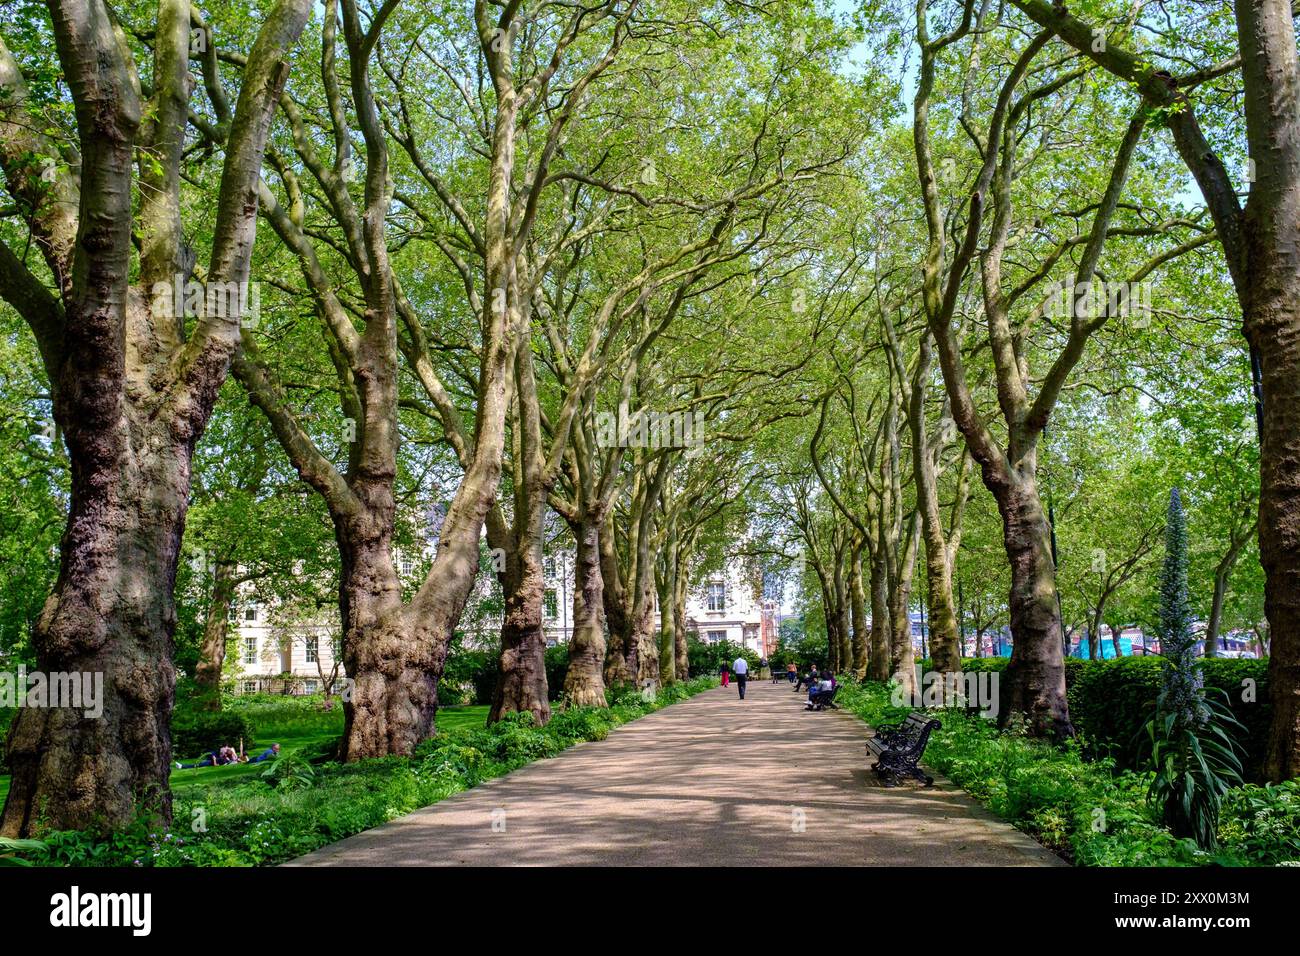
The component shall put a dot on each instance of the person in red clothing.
(725, 673)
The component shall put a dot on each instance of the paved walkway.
(710, 781)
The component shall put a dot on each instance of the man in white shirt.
(741, 669)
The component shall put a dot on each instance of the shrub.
(1111, 701)
(195, 732)
(279, 715)
(289, 772)
(1262, 824)
(557, 666)
(582, 723)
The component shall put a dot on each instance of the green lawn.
(292, 735)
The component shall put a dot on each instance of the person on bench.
(822, 687)
(807, 680)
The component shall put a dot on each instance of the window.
(250, 650)
(717, 596)
(309, 687)
(250, 687)
(250, 613)
(552, 603)
(548, 565)
(715, 637)
(313, 650)
(407, 565)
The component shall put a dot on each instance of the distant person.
(213, 758)
(791, 672)
(209, 759)
(741, 668)
(725, 674)
(270, 753)
(807, 680)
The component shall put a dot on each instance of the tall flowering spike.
(1182, 679)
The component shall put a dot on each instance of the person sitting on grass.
(270, 753)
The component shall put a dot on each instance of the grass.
(295, 729)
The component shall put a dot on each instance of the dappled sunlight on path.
(710, 781)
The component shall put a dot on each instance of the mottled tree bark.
(132, 393)
(880, 662)
(584, 682)
(1035, 681)
(861, 645)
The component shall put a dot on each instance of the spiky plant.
(1193, 755)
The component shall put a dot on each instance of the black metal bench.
(823, 699)
(898, 750)
(779, 677)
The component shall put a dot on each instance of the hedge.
(195, 732)
(1110, 700)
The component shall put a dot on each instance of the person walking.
(725, 675)
(740, 667)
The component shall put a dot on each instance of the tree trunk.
(212, 655)
(392, 698)
(644, 637)
(880, 661)
(667, 646)
(522, 683)
(111, 615)
(1035, 675)
(843, 640)
(861, 648)
(902, 656)
(130, 392)
(617, 673)
(584, 681)
(1222, 571)
(1277, 307)
(679, 625)
(945, 649)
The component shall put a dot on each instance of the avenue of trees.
(924, 308)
